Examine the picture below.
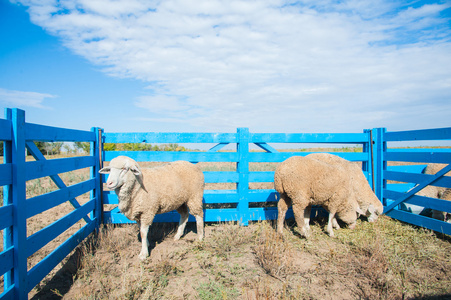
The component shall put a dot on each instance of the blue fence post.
(243, 173)
(366, 148)
(379, 147)
(7, 199)
(96, 151)
(19, 203)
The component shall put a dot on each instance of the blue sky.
(272, 66)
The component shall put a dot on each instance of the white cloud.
(270, 65)
(23, 99)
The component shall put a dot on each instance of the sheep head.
(118, 171)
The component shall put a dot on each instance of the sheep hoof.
(305, 233)
(143, 256)
(176, 238)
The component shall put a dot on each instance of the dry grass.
(382, 260)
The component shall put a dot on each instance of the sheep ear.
(135, 170)
(105, 170)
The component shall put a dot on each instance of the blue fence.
(241, 203)
(399, 198)
(17, 136)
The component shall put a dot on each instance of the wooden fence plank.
(261, 176)
(340, 138)
(5, 174)
(407, 168)
(38, 169)
(35, 132)
(40, 270)
(261, 195)
(47, 234)
(6, 216)
(210, 197)
(214, 177)
(221, 196)
(281, 156)
(170, 137)
(46, 201)
(417, 178)
(421, 157)
(5, 130)
(6, 260)
(424, 135)
(167, 156)
(432, 203)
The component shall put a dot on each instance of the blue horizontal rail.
(169, 137)
(6, 216)
(421, 157)
(38, 169)
(166, 156)
(418, 135)
(5, 174)
(333, 138)
(5, 130)
(35, 132)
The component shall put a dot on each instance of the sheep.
(367, 200)
(144, 193)
(437, 192)
(303, 182)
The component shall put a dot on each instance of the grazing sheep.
(144, 193)
(303, 182)
(436, 192)
(367, 200)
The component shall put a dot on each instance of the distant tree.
(41, 147)
(109, 147)
(84, 146)
(56, 147)
(68, 148)
(142, 147)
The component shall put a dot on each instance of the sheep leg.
(183, 211)
(330, 223)
(196, 209)
(200, 226)
(335, 223)
(144, 230)
(299, 212)
(307, 212)
(282, 207)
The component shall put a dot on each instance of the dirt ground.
(382, 260)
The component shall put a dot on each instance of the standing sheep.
(303, 182)
(367, 200)
(144, 193)
(436, 192)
